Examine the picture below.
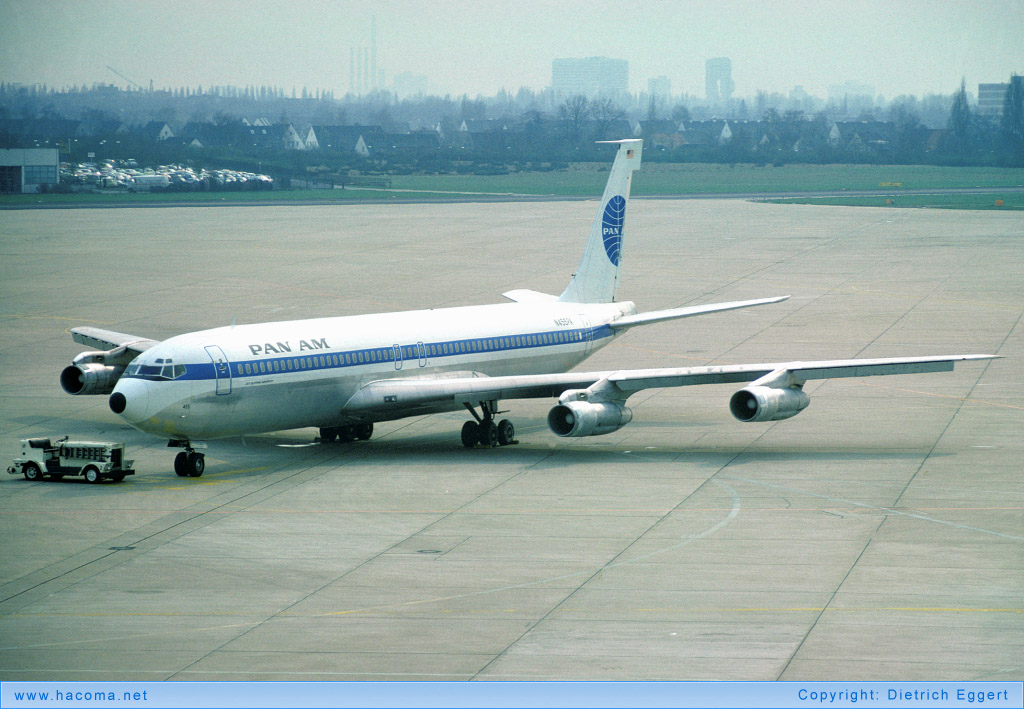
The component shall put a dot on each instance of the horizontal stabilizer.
(525, 295)
(687, 312)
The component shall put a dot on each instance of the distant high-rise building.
(718, 80)
(591, 77)
(991, 98)
(659, 86)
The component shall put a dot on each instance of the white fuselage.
(275, 376)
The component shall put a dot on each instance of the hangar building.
(24, 170)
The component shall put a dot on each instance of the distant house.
(28, 132)
(424, 141)
(280, 136)
(157, 130)
(348, 139)
(860, 135)
(834, 135)
(208, 135)
(102, 128)
(308, 136)
(487, 126)
(725, 136)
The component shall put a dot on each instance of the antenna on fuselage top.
(233, 318)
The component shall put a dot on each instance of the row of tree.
(971, 133)
(567, 133)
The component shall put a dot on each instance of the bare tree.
(573, 114)
(960, 119)
(605, 112)
(1013, 113)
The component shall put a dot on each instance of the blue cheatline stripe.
(313, 360)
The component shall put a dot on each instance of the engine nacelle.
(758, 403)
(90, 378)
(583, 418)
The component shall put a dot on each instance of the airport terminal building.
(25, 170)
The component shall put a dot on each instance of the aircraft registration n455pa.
(343, 374)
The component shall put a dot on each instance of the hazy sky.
(481, 46)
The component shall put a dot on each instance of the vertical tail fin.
(598, 274)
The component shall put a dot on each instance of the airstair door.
(221, 369)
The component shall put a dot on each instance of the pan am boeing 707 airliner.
(342, 374)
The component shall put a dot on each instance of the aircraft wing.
(474, 388)
(128, 345)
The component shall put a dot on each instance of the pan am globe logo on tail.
(611, 227)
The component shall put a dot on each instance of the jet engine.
(95, 372)
(583, 418)
(90, 378)
(761, 403)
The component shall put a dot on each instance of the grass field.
(1010, 201)
(698, 178)
(588, 179)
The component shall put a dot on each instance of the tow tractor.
(96, 460)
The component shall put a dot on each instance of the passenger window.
(248, 369)
(263, 367)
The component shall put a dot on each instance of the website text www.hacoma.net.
(81, 696)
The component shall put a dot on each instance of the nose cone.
(130, 400)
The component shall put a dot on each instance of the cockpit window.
(162, 369)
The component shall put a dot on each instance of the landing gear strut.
(188, 463)
(484, 431)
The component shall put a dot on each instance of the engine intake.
(759, 403)
(582, 418)
(90, 378)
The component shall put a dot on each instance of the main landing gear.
(484, 431)
(188, 463)
(347, 434)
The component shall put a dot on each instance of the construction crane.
(126, 78)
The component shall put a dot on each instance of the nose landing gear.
(188, 463)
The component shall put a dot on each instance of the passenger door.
(221, 369)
